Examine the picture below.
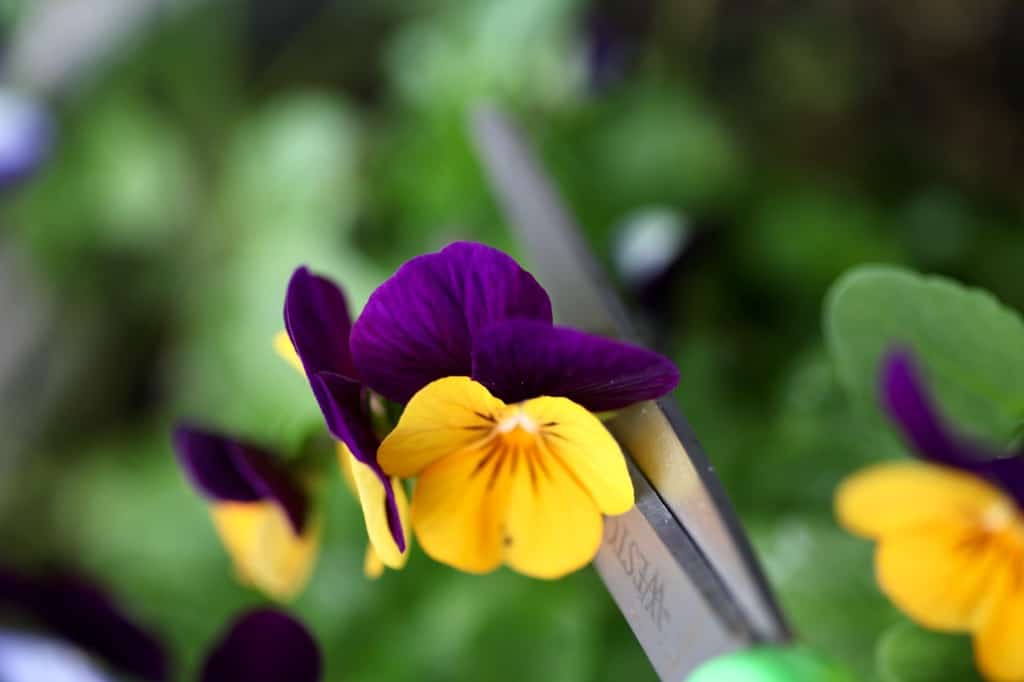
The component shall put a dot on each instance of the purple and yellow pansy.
(512, 465)
(499, 426)
(949, 528)
(262, 513)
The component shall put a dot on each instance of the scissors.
(678, 565)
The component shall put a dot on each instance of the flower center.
(516, 427)
(1003, 521)
(999, 517)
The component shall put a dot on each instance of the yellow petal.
(458, 509)
(525, 484)
(284, 348)
(373, 499)
(999, 644)
(345, 463)
(898, 495)
(552, 526)
(505, 502)
(374, 513)
(580, 441)
(444, 417)
(373, 567)
(264, 548)
(945, 575)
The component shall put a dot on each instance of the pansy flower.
(513, 467)
(262, 514)
(317, 325)
(949, 528)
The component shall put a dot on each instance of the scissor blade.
(680, 612)
(655, 435)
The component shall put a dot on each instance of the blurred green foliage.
(907, 653)
(972, 345)
(230, 142)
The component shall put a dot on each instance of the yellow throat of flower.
(1003, 522)
(524, 484)
(516, 428)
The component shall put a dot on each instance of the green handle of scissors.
(771, 664)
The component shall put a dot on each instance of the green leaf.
(970, 345)
(824, 581)
(907, 653)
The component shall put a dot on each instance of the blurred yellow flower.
(950, 554)
(264, 548)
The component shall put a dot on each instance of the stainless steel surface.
(655, 435)
(659, 580)
(672, 460)
(546, 229)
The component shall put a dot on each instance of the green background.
(221, 145)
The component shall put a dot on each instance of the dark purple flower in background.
(78, 611)
(264, 645)
(613, 34)
(227, 470)
(470, 310)
(261, 512)
(908, 402)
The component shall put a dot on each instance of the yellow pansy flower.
(949, 530)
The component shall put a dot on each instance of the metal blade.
(678, 565)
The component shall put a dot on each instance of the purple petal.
(80, 612)
(316, 317)
(341, 400)
(907, 400)
(210, 465)
(229, 470)
(348, 420)
(518, 360)
(1008, 473)
(419, 325)
(264, 645)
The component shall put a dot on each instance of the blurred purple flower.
(227, 470)
(906, 398)
(264, 645)
(80, 612)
